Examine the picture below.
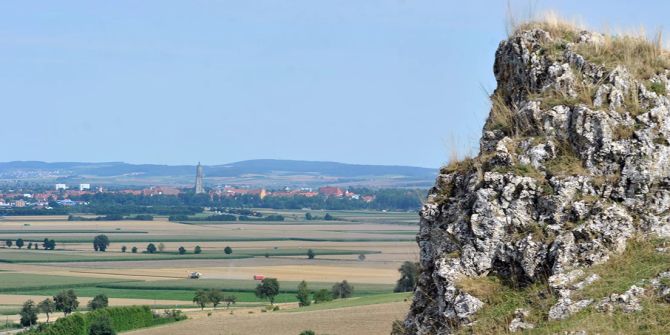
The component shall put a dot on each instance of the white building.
(61, 187)
(84, 187)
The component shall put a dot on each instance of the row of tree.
(102, 242)
(339, 290)
(213, 296)
(190, 203)
(65, 301)
(112, 217)
(47, 244)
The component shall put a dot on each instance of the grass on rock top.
(642, 56)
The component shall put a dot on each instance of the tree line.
(47, 244)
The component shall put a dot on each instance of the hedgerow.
(123, 319)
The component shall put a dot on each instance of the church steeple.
(199, 175)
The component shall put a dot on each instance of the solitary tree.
(229, 300)
(28, 314)
(133, 250)
(124, 248)
(303, 295)
(307, 332)
(19, 243)
(99, 301)
(201, 298)
(151, 248)
(228, 250)
(47, 306)
(409, 272)
(47, 244)
(322, 295)
(308, 216)
(66, 302)
(101, 325)
(215, 297)
(9, 243)
(100, 243)
(161, 247)
(197, 250)
(342, 290)
(311, 254)
(30, 245)
(268, 289)
(182, 250)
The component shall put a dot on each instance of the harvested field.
(385, 239)
(369, 319)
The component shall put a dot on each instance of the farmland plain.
(363, 247)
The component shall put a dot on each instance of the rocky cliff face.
(574, 161)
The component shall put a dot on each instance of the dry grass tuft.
(623, 133)
(501, 302)
(657, 87)
(643, 57)
(502, 116)
(551, 22)
(484, 288)
(566, 162)
(464, 165)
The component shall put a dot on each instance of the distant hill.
(261, 172)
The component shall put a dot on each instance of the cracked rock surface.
(560, 184)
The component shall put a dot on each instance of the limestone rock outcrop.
(574, 161)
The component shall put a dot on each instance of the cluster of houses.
(328, 191)
(61, 193)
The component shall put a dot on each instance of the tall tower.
(199, 187)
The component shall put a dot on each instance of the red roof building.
(331, 191)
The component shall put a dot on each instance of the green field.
(235, 285)
(368, 230)
(183, 289)
(69, 231)
(43, 256)
(185, 295)
(356, 301)
(11, 282)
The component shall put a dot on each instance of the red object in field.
(259, 277)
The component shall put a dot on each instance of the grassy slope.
(640, 261)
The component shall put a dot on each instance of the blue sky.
(175, 82)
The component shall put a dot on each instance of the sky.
(397, 82)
